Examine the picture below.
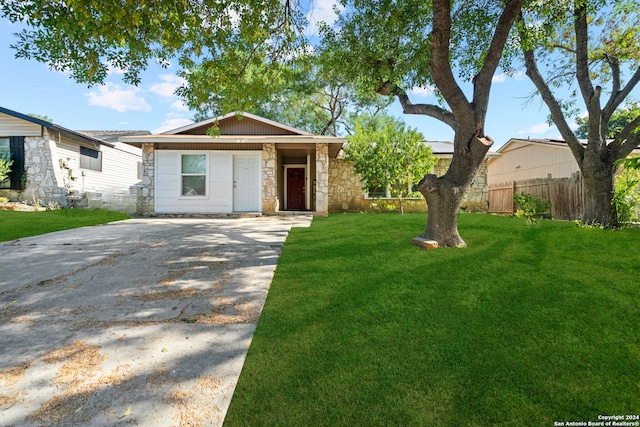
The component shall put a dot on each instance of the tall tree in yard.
(590, 44)
(392, 46)
(237, 46)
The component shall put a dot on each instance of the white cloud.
(322, 11)
(179, 105)
(502, 77)
(112, 69)
(537, 129)
(167, 86)
(172, 123)
(118, 98)
(423, 91)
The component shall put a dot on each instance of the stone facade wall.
(146, 188)
(46, 179)
(322, 179)
(269, 178)
(346, 193)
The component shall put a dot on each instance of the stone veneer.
(269, 178)
(322, 179)
(45, 178)
(347, 195)
(145, 189)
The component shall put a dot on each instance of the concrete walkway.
(143, 322)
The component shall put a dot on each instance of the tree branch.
(426, 109)
(440, 63)
(626, 140)
(482, 80)
(582, 57)
(617, 97)
(552, 103)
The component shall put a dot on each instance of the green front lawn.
(15, 224)
(524, 327)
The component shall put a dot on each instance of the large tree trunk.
(444, 194)
(598, 178)
(443, 203)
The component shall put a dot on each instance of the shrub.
(532, 208)
(5, 168)
(626, 198)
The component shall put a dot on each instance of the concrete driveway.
(141, 322)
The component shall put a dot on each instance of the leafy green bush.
(532, 208)
(626, 197)
(5, 168)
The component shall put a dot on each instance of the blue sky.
(28, 86)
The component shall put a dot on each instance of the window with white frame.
(389, 193)
(194, 174)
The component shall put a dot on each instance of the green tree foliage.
(386, 154)
(587, 45)
(38, 116)
(215, 43)
(5, 168)
(618, 121)
(306, 97)
(389, 47)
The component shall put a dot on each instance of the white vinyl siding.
(530, 161)
(13, 126)
(119, 169)
(219, 182)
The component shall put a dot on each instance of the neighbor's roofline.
(52, 126)
(226, 116)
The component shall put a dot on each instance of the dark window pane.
(377, 192)
(194, 185)
(90, 159)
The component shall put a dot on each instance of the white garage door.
(229, 183)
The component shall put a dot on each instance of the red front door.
(295, 189)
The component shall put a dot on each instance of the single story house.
(253, 165)
(55, 164)
(260, 166)
(525, 159)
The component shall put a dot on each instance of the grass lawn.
(524, 327)
(15, 224)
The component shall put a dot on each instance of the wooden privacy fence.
(565, 194)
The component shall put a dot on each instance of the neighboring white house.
(55, 164)
(523, 159)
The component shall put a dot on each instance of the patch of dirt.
(171, 277)
(19, 206)
(194, 405)
(80, 361)
(12, 375)
(179, 294)
(226, 312)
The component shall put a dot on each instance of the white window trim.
(206, 176)
(387, 196)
